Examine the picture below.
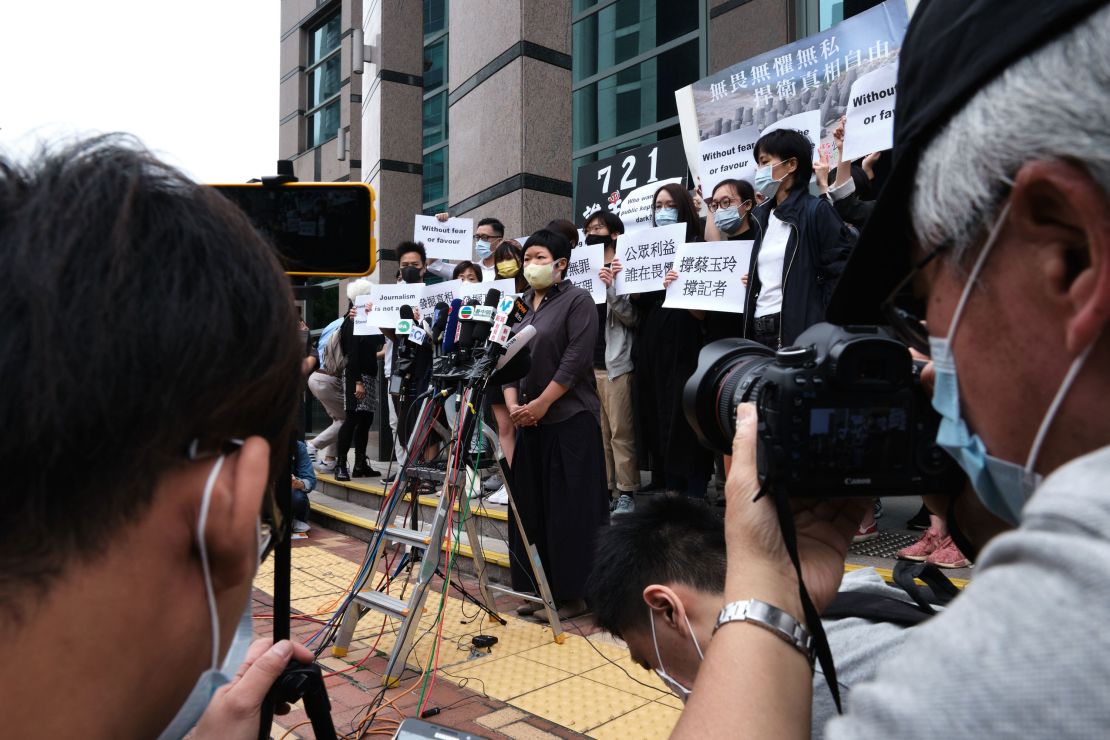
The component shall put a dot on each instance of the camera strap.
(813, 619)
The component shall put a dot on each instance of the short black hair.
(508, 249)
(407, 247)
(566, 228)
(743, 188)
(555, 242)
(786, 143)
(463, 267)
(498, 227)
(611, 220)
(143, 311)
(670, 539)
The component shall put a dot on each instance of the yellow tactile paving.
(575, 656)
(648, 722)
(611, 675)
(578, 703)
(509, 677)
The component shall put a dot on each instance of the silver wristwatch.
(770, 618)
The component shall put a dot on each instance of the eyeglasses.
(489, 237)
(725, 202)
(598, 229)
(905, 322)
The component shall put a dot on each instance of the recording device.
(516, 361)
(407, 351)
(452, 327)
(439, 321)
(317, 228)
(418, 729)
(841, 413)
(483, 316)
(465, 338)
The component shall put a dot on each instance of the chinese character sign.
(470, 291)
(709, 276)
(646, 256)
(451, 239)
(583, 268)
(813, 74)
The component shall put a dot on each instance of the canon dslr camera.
(841, 413)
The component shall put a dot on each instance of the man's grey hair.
(1051, 105)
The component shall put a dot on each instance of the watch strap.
(772, 619)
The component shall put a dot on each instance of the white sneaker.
(501, 496)
(625, 505)
(323, 465)
(299, 526)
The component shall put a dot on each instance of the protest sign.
(813, 74)
(729, 156)
(443, 292)
(468, 291)
(637, 207)
(808, 123)
(362, 325)
(709, 276)
(451, 239)
(386, 302)
(870, 124)
(583, 268)
(646, 256)
(606, 183)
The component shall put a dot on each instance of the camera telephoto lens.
(729, 373)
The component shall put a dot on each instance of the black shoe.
(341, 472)
(362, 469)
(919, 521)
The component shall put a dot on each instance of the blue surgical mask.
(1002, 486)
(666, 216)
(677, 688)
(727, 219)
(217, 674)
(483, 248)
(765, 182)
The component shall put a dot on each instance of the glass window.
(323, 82)
(435, 65)
(435, 119)
(634, 97)
(323, 124)
(831, 12)
(435, 175)
(626, 29)
(324, 40)
(435, 16)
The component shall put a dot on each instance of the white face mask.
(1001, 485)
(673, 684)
(217, 675)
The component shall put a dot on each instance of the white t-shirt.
(488, 273)
(769, 264)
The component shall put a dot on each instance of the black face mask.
(410, 274)
(592, 239)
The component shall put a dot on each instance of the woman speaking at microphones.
(558, 467)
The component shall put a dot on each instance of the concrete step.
(352, 508)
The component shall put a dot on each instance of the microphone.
(452, 326)
(514, 369)
(483, 316)
(465, 338)
(439, 320)
(407, 315)
(516, 344)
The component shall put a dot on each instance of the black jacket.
(361, 351)
(816, 253)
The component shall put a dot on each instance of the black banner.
(606, 182)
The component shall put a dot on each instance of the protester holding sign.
(667, 354)
(613, 367)
(801, 244)
(360, 389)
(558, 470)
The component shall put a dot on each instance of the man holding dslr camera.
(1000, 183)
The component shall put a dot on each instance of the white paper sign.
(363, 327)
(729, 156)
(581, 240)
(443, 292)
(646, 256)
(386, 302)
(809, 123)
(582, 270)
(870, 124)
(467, 291)
(637, 206)
(451, 239)
(709, 276)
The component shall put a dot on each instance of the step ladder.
(430, 543)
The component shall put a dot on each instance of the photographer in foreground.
(1001, 184)
(131, 537)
